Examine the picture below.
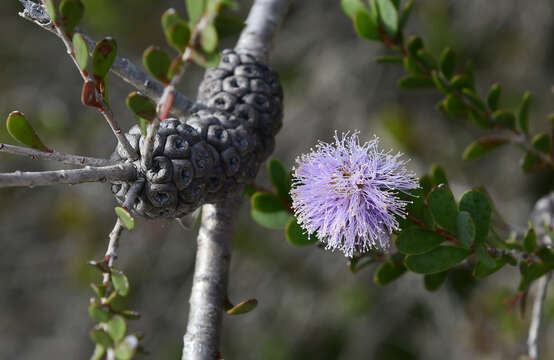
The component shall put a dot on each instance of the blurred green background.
(310, 305)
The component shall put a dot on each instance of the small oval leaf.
(434, 281)
(157, 62)
(266, 202)
(443, 208)
(20, 129)
(100, 337)
(120, 282)
(418, 241)
(465, 229)
(103, 57)
(71, 12)
(388, 272)
(366, 26)
(126, 218)
(447, 62)
(243, 307)
(141, 105)
(388, 16)
(80, 48)
(298, 236)
(178, 36)
(209, 38)
(274, 220)
(117, 327)
(477, 204)
(279, 177)
(415, 82)
(483, 146)
(437, 260)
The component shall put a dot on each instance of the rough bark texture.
(211, 273)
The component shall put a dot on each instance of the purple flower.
(348, 193)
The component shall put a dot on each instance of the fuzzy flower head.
(349, 193)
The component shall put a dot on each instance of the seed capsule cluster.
(202, 158)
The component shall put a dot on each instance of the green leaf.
(141, 105)
(208, 38)
(453, 105)
(243, 307)
(71, 12)
(279, 178)
(120, 282)
(481, 270)
(195, 9)
(414, 45)
(531, 162)
(389, 16)
(447, 62)
(472, 97)
(267, 203)
(405, 14)
(411, 65)
(437, 260)
(205, 60)
(441, 82)
(461, 81)
(530, 240)
(51, 9)
(443, 208)
(298, 236)
(483, 146)
(126, 349)
(80, 48)
(99, 351)
(465, 229)
(427, 59)
(415, 82)
(434, 281)
(366, 26)
(351, 7)
(274, 220)
(130, 314)
(426, 184)
(117, 327)
(389, 59)
(530, 273)
(479, 119)
(142, 124)
(228, 26)
(484, 257)
(126, 218)
(504, 119)
(438, 175)
(103, 57)
(524, 113)
(493, 97)
(546, 255)
(542, 143)
(477, 204)
(417, 241)
(388, 272)
(157, 62)
(171, 17)
(178, 36)
(20, 129)
(98, 313)
(100, 337)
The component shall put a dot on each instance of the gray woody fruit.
(202, 158)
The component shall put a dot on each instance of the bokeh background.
(310, 305)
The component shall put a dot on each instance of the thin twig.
(122, 67)
(534, 328)
(111, 253)
(132, 194)
(120, 172)
(262, 23)
(56, 156)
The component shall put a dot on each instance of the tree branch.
(261, 25)
(120, 172)
(209, 288)
(533, 338)
(56, 156)
(122, 67)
